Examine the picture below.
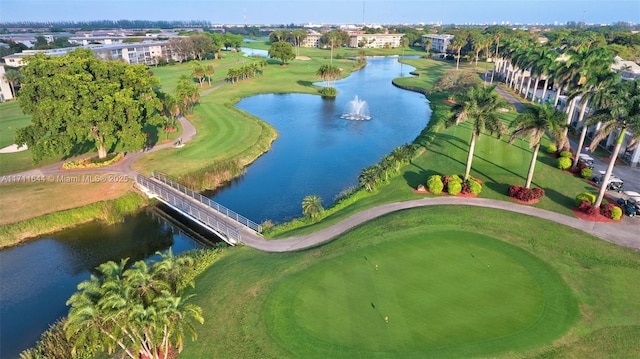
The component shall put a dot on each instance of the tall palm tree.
(298, 36)
(209, 70)
(13, 77)
(496, 37)
(593, 93)
(312, 206)
(456, 46)
(534, 122)
(482, 107)
(619, 111)
(328, 73)
(542, 59)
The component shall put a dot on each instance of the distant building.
(376, 41)
(439, 43)
(5, 87)
(629, 70)
(132, 53)
(312, 39)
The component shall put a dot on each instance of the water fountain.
(357, 110)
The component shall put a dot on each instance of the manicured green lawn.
(438, 291)
(12, 119)
(543, 294)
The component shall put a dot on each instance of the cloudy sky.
(326, 11)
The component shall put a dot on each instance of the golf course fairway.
(443, 293)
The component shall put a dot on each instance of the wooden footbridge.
(210, 215)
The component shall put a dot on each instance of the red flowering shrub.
(513, 190)
(586, 207)
(525, 194)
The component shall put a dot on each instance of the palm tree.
(312, 206)
(199, 72)
(482, 106)
(298, 36)
(13, 77)
(328, 73)
(496, 37)
(593, 92)
(534, 122)
(209, 70)
(131, 309)
(543, 58)
(368, 178)
(619, 111)
(456, 46)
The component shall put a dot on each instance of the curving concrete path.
(626, 234)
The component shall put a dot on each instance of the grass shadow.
(415, 178)
(80, 149)
(559, 198)
(305, 83)
(502, 188)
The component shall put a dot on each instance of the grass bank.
(109, 211)
(602, 279)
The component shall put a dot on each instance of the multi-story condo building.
(439, 43)
(133, 53)
(377, 41)
(5, 87)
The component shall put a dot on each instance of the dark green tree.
(78, 98)
(283, 51)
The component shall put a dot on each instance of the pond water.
(317, 152)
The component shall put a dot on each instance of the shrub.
(564, 163)
(616, 213)
(435, 185)
(586, 172)
(456, 178)
(513, 190)
(328, 92)
(588, 208)
(93, 162)
(585, 196)
(552, 148)
(566, 154)
(474, 187)
(525, 194)
(445, 181)
(454, 187)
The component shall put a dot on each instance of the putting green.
(444, 293)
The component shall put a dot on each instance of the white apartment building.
(439, 43)
(132, 53)
(5, 87)
(376, 41)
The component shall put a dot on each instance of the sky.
(327, 11)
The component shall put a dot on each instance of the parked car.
(630, 206)
(586, 160)
(615, 183)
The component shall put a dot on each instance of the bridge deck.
(207, 213)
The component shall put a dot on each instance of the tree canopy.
(282, 50)
(78, 99)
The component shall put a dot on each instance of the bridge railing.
(172, 182)
(177, 199)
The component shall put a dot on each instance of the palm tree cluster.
(138, 311)
(582, 70)
(200, 72)
(372, 176)
(253, 69)
(329, 74)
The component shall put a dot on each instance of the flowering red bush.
(513, 190)
(525, 194)
(586, 207)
